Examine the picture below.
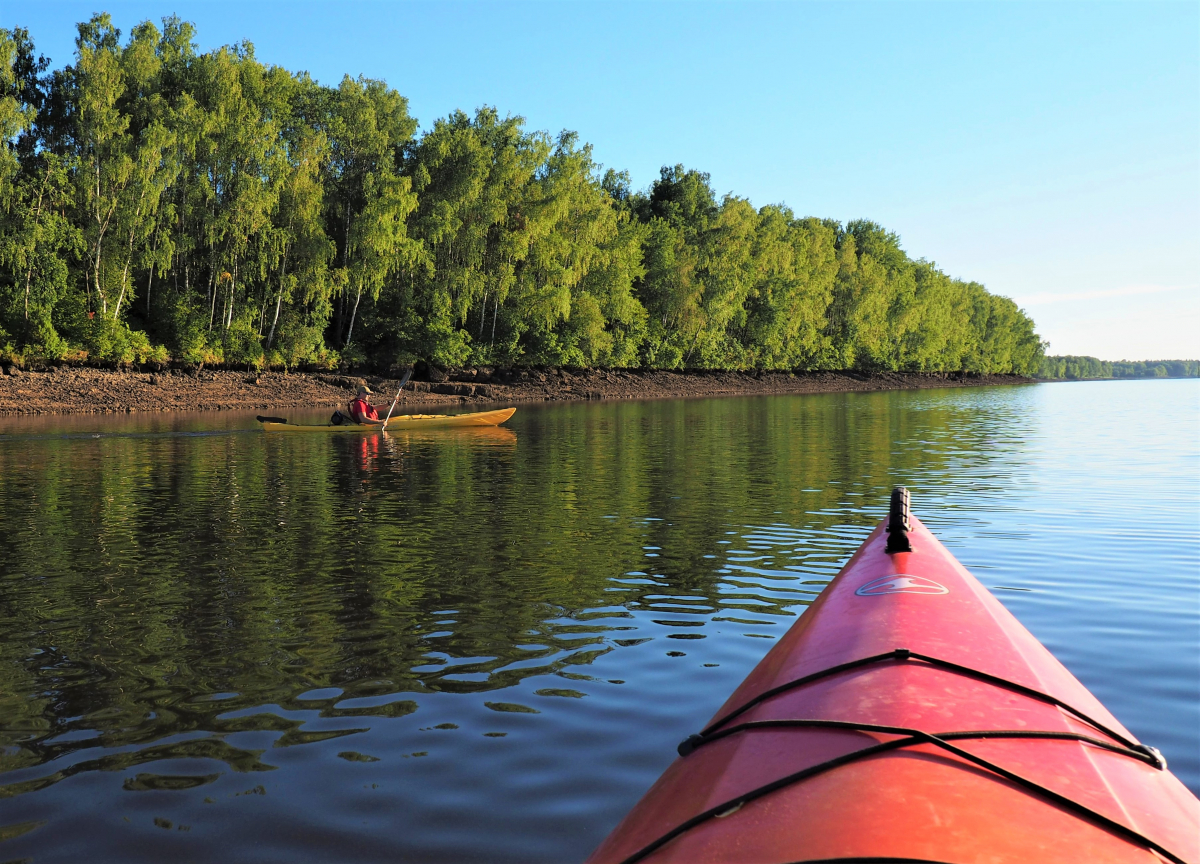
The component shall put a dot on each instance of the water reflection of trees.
(161, 586)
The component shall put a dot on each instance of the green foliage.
(113, 341)
(1076, 368)
(227, 211)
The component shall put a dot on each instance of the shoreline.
(85, 390)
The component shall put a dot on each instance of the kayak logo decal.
(901, 583)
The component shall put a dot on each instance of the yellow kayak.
(404, 421)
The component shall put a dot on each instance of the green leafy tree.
(679, 209)
(302, 250)
(369, 200)
(36, 238)
(105, 164)
(476, 226)
(787, 308)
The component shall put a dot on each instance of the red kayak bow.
(907, 716)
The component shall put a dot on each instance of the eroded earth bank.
(76, 390)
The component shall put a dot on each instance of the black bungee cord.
(911, 737)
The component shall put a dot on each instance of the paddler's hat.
(363, 389)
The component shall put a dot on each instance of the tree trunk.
(340, 318)
(129, 255)
(37, 220)
(212, 291)
(124, 280)
(102, 228)
(150, 279)
(99, 291)
(275, 320)
(353, 313)
(278, 302)
(95, 277)
(232, 286)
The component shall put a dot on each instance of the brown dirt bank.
(73, 390)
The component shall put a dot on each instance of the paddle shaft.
(403, 381)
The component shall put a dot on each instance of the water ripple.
(454, 648)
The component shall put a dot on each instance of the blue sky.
(1050, 151)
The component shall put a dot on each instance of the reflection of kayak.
(471, 435)
(404, 421)
(909, 717)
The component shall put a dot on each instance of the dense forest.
(1075, 368)
(158, 204)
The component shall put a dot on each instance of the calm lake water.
(218, 644)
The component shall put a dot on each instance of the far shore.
(83, 390)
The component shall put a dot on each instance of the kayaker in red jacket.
(361, 410)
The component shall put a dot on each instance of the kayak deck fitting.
(404, 421)
(907, 716)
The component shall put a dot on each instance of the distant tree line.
(1078, 368)
(157, 202)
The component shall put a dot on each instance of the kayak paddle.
(403, 381)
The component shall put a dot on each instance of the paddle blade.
(262, 419)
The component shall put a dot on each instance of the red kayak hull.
(919, 802)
